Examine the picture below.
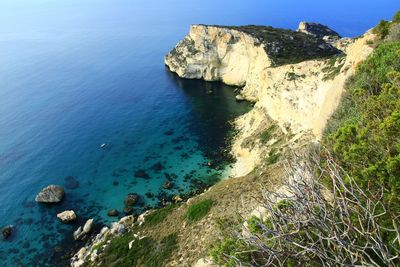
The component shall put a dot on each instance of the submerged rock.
(50, 194)
(113, 213)
(67, 216)
(167, 185)
(131, 199)
(7, 231)
(71, 182)
(141, 174)
(128, 210)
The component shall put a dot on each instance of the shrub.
(312, 228)
(267, 134)
(144, 252)
(273, 157)
(198, 210)
(396, 17)
(159, 215)
(382, 29)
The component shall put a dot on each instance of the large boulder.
(78, 233)
(67, 216)
(317, 30)
(50, 194)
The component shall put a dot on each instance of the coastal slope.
(295, 78)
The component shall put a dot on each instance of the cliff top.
(286, 46)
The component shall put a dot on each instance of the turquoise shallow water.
(76, 74)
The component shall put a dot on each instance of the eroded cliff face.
(298, 97)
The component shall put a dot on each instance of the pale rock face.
(298, 97)
(50, 194)
(217, 54)
(67, 216)
(88, 226)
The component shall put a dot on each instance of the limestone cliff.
(295, 78)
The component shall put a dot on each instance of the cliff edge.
(296, 78)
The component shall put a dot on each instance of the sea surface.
(78, 74)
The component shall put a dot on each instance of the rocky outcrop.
(297, 91)
(90, 252)
(317, 30)
(234, 54)
(50, 194)
(67, 216)
(6, 232)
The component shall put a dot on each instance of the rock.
(88, 226)
(128, 210)
(78, 233)
(130, 244)
(50, 194)
(81, 253)
(113, 213)
(131, 199)
(177, 198)
(67, 216)
(167, 185)
(317, 30)
(71, 182)
(117, 228)
(240, 98)
(127, 220)
(7, 231)
(141, 174)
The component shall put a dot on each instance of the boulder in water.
(50, 194)
(67, 216)
(88, 226)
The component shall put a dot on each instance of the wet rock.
(141, 174)
(128, 210)
(131, 199)
(113, 213)
(239, 98)
(71, 182)
(149, 195)
(67, 216)
(87, 228)
(78, 233)
(7, 231)
(50, 194)
(167, 185)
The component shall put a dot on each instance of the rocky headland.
(294, 78)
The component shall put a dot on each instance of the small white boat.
(102, 145)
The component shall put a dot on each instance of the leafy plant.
(198, 210)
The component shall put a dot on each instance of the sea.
(77, 74)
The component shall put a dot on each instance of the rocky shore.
(295, 78)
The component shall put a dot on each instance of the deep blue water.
(76, 74)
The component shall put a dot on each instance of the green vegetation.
(273, 157)
(157, 216)
(292, 76)
(333, 67)
(267, 134)
(396, 17)
(198, 210)
(254, 225)
(144, 252)
(225, 252)
(382, 29)
(287, 46)
(364, 133)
